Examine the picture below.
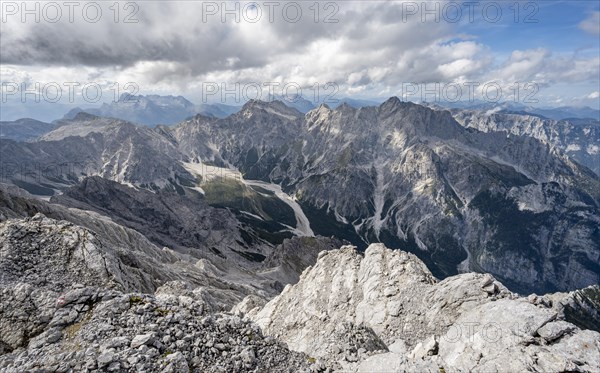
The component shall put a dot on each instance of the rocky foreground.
(385, 312)
(67, 305)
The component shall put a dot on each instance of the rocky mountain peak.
(393, 102)
(276, 107)
(83, 116)
(84, 124)
(384, 311)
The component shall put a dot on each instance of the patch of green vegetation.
(224, 192)
(135, 300)
(162, 311)
(70, 331)
(513, 229)
(231, 193)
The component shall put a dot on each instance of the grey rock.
(105, 359)
(428, 347)
(453, 323)
(142, 339)
(579, 139)
(556, 329)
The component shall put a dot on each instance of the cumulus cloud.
(369, 47)
(591, 24)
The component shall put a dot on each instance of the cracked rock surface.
(397, 317)
(66, 305)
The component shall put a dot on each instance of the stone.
(556, 329)
(142, 339)
(429, 347)
(105, 359)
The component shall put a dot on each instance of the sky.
(538, 53)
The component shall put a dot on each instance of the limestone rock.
(465, 323)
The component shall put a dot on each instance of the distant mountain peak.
(394, 103)
(151, 110)
(273, 107)
(83, 116)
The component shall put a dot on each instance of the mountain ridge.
(402, 174)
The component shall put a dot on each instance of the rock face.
(100, 296)
(399, 173)
(142, 265)
(65, 303)
(184, 222)
(397, 317)
(25, 129)
(580, 139)
(89, 145)
(413, 177)
(40, 250)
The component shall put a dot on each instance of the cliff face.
(414, 178)
(578, 138)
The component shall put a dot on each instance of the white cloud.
(591, 24)
(371, 50)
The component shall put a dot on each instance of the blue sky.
(557, 27)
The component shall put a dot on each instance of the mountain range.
(153, 109)
(347, 238)
(25, 129)
(555, 113)
(400, 173)
(577, 138)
